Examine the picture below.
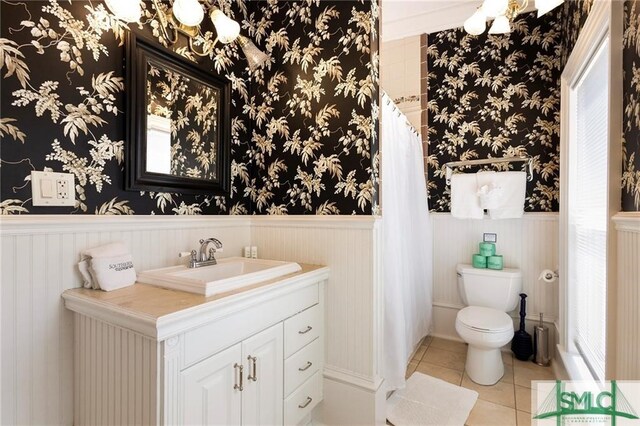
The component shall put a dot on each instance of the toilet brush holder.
(521, 345)
(541, 344)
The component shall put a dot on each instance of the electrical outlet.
(53, 189)
(61, 184)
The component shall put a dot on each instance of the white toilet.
(484, 323)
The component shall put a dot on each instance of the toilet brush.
(521, 345)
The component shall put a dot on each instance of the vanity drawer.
(301, 365)
(301, 329)
(300, 403)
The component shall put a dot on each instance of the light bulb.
(476, 23)
(545, 6)
(255, 57)
(500, 25)
(228, 29)
(188, 12)
(493, 8)
(125, 10)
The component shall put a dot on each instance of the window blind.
(588, 211)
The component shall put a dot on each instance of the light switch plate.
(53, 189)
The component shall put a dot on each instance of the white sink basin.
(229, 274)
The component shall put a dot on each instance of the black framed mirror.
(178, 126)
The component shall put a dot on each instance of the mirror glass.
(183, 121)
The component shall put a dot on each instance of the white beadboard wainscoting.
(628, 321)
(529, 244)
(39, 256)
(350, 246)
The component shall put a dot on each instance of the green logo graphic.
(609, 403)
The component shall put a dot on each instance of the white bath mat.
(430, 401)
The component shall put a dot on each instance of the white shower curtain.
(407, 243)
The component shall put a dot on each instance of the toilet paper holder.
(548, 275)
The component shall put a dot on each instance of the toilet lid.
(485, 319)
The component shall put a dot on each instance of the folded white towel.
(464, 197)
(107, 267)
(489, 194)
(513, 187)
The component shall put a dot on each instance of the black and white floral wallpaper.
(304, 134)
(496, 96)
(631, 142)
(314, 141)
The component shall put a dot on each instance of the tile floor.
(508, 402)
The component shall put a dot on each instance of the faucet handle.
(191, 253)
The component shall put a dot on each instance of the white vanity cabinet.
(240, 385)
(148, 355)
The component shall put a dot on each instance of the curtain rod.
(400, 113)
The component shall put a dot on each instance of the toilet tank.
(489, 288)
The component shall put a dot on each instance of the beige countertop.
(154, 302)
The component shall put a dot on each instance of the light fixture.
(188, 12)
(476, 23)
(228, 30)
(184, 17)
(255, 57)
(545, 6)
(500, 25)
(504, 12)
(125, 10)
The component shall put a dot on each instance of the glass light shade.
(476, 23)
(188, 12)
(545, 6)
(500, 25)
(255, 57)
(228, 29)
(125, 10)
(493, 8)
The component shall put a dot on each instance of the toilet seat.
(485, 320)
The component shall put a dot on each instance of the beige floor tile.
(449, 345)
(426, 341)
(448, 359)
(410, 369)
(500, 393)
(488, 413)
(523, 418)
(523, 399)
(523, 376)
(507, 358)
(419, 353)
(528, 364)
(508, 374)
(446, 374)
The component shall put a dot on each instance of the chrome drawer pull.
(239, 368)
(306, 367)
(253, 360)
(307, 402)
(306, 330)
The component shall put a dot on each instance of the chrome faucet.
(203, 257)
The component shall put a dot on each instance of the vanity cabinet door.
(263, 357)
(211, 390)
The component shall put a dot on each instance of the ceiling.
(404, 18)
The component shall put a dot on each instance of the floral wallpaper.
(496, 96)
(314, 141)
(304, 136)
(573, 15)
(631, 131)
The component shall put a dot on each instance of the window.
(587, 213)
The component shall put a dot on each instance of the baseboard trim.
(352, 379)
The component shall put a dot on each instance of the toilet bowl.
(484, 324)
(486, 330)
